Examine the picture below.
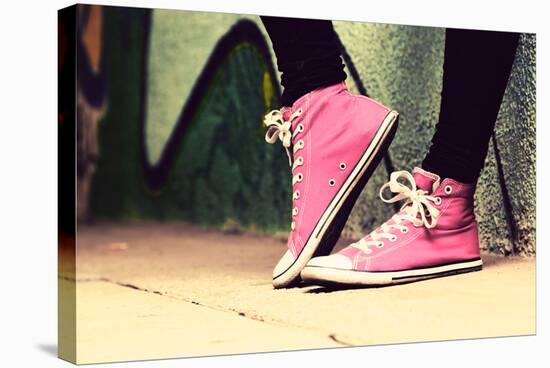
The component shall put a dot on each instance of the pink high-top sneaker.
(434, 234)
(337, 140)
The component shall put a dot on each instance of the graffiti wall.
(172, 122)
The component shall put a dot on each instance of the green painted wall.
(180, 45)
(224, 168)
(223, 174)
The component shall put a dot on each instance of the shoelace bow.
(417, 203)
(278, 128)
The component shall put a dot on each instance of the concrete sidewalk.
(147, 291)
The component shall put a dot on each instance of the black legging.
(476, 69)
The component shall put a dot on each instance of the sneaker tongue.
(286, 111)
(425, 180)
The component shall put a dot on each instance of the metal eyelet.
(297, 194)
(292, 225)
(437, 201)
(300, 128)
(300, 144)
(295, 211)
(300, 160)
(405, 230)
(394, 238)
(379, 245)
(448, 189)
(332, 182)
(300, 177)
(342, 166)
(300, 110)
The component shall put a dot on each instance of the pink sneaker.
(337, 141)
(434, 234)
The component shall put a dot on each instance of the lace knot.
(417, 203)
(279, 128)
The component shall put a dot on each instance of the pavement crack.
(254, 317)
(82, 279)
(108, 280)
(135, 287)
(251, 316)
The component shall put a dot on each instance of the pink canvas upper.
(329, 136)
(454, 237)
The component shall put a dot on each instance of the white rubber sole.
(292, 273)
(315, 274)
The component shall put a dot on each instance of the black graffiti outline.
(243, 31)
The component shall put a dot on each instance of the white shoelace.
(413, 210)
(278, 128)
